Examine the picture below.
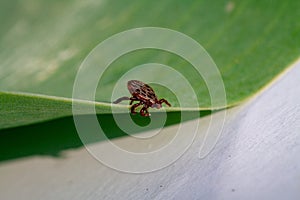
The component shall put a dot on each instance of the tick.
(145, 95)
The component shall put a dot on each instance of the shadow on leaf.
(52, 137)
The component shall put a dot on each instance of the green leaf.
(21, 109)
(43, 44)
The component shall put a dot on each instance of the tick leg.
(121, 99)
(144, 112)
(164, 101)
(132, 99)
(134, 106)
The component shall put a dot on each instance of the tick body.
(145, 96)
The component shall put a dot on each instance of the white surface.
(257, 157)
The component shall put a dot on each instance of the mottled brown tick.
(145, 95)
